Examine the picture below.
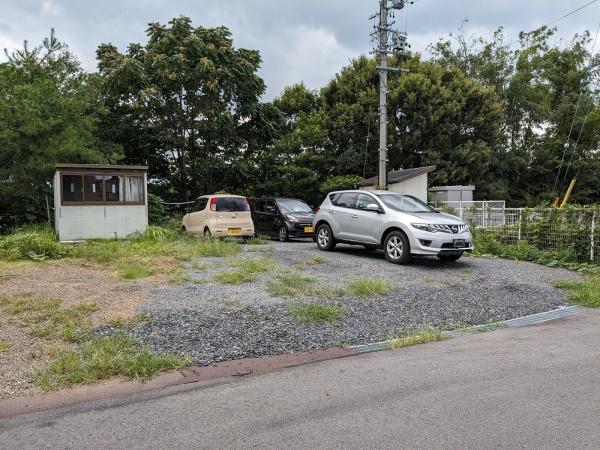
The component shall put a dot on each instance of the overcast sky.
(299, 40)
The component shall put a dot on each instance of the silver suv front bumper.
(424, 243)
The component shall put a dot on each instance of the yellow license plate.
(308, 229)
(234, 231)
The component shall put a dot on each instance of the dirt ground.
(71, 283)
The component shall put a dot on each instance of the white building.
(406, 181)
(99, 201)
(452, 193)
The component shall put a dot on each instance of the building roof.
(451, 188)
(98, 167)
(397, 176)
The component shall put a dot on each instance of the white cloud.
(310, 55)
(50, 8)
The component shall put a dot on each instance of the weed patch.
(134, 270)
(252, 265)
(314, 261)
(368, 287)
(291, 284)
(102, 358)
(585, 292)
(420, 337)
(5, 346)
(316, 312)
(45, 317)
(235, 277)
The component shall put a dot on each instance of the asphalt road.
(533, 387)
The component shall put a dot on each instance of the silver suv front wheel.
(397, 248)
(325, 240)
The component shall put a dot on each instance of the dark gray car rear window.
(231, 204)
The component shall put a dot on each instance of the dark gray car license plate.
(459, 243)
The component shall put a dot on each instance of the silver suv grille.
(455, 229)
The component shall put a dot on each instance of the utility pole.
(387, 40)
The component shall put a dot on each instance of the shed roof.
(59, 166)
(397, 176)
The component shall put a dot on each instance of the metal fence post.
(520, 212)
(592, 232)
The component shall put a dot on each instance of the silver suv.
(400, 224)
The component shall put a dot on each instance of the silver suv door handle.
(354, 216)
(331, 211)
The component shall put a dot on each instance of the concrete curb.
(518, 322)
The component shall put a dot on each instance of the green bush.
(157, 212)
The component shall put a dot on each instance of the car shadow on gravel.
(417, 261)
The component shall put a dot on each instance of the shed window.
(102, 189)
(72, 188)
(93, 188)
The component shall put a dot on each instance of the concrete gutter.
(518, 322)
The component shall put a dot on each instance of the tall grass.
(105, 357)
(585, 292)
(35, 243)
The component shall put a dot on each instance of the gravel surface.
(214, 322)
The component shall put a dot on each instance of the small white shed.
(406, 181)
(99, 201)
(452, 193)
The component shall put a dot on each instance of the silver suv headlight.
(291, 218)
(424, 227)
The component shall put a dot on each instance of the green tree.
(186, 103)
(46, 116)
(539, 86)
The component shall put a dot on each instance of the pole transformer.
(387, 41)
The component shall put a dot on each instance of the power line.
(562, 159)
(572, 12)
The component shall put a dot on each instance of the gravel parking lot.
(214, 322)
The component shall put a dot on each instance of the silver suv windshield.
(405, 203)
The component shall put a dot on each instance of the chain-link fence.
(571, 233)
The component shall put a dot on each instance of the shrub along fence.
(570, 234)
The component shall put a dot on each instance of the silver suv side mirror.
(373, 207)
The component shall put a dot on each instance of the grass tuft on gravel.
(420, 337)
(235, 277)
(105, 357)
(314, 261)
(134, 270)
(5, 346)
(585, 292)
(252, 265)
(247, 270)
(291, 284)
(368, 287)
(316, 312)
